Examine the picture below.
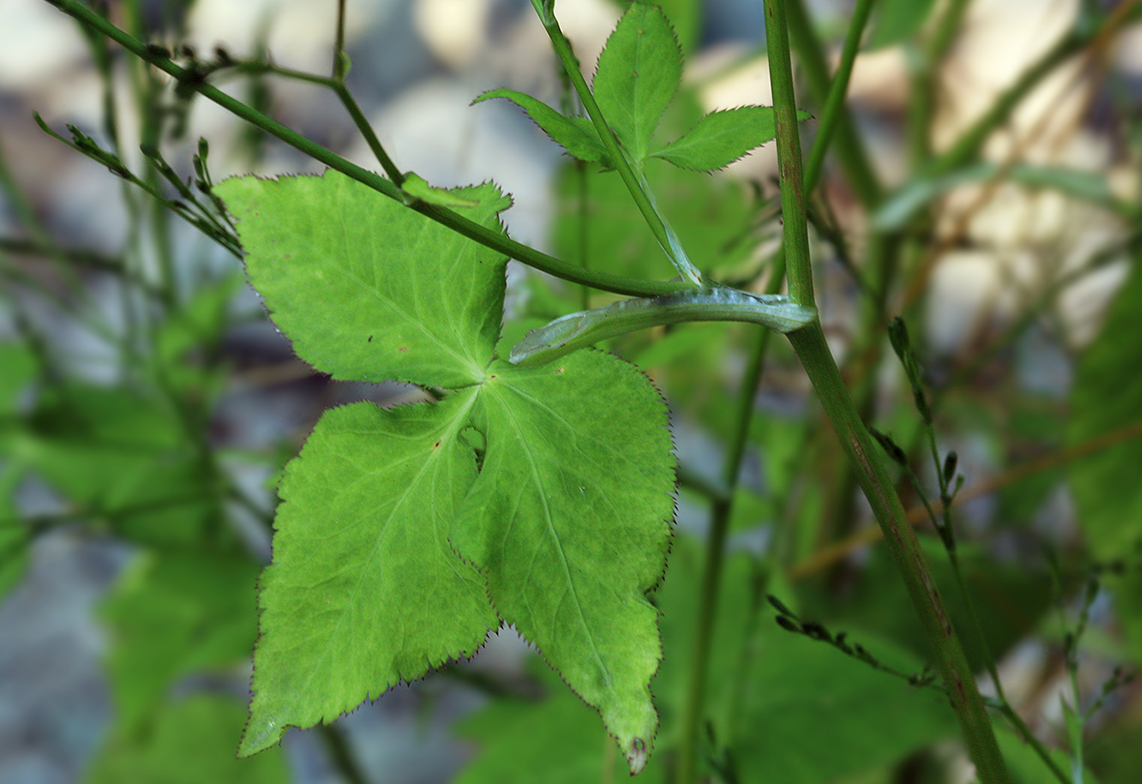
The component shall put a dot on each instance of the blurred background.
(147, 405)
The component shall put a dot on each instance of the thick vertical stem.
(951, 663)
(858, 445)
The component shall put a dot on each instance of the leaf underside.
(405, 535)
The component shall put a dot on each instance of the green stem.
(337, 85)
(796, 228)
(340, 754)
(498, 241)
(848, 147)
(813, 351)
(951, 663)
(340, 59)
(633, 179)
(835, 101)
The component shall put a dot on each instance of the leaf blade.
(720, 138)
(355, 603)
(366, 288)
(576, 135)
(573, 531)
(638, 73)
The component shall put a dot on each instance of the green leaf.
(720, 138)
(638, 73)
(366, 288)
(171, 616)
(190, 743)
(569, 523)
(365, 591)
(1106, 398)
(574, 134)
(897, 21)
(566, 522)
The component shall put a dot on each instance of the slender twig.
(835, 100)
(341, 753)
(631, 177)
(340, 58)
(337, 85)
(488, 237)
(847, 145)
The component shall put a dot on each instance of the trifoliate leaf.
(364, 591)
(568, 523)
(574, 134)
(638, 73)
(720, 138)
(366, 288)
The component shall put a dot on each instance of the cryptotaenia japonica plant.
(404, 536)
(536, 487)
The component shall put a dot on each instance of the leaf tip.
(258, 738)
(636, 755)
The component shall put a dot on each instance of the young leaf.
(638, 73)
(365, 590)
(574, 134)
(367, 289)
(568, 522)
(720, 138)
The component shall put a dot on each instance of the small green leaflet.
(395, 549)
(639, 70)
(638, 75)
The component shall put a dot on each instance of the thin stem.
(340, 59)
(498, 241)
(633, 179)
(813, 351)
(848, 147)
(1027, 735)
(835, 101)
(337, 85)
(796, 230)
